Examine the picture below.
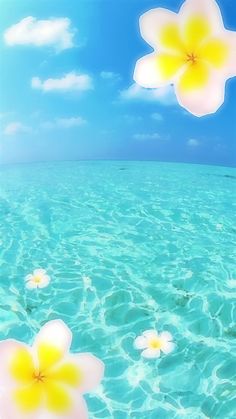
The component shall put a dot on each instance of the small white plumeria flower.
(87, 283)
(189, 274)
(151, 302)
(219, 226)
(231, 283)
(38, 279)
(86, 280)
(152, 343)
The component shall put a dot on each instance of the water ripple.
(151, 246)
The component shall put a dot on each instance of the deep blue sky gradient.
(107, 39)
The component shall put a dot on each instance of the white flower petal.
(151, 353)
(152, 23)
(146, 72)
(140, 342)
(44, 281)
(150, 333)
(92, 369)
(166, 336)
(79, 410)
(7, 405)
(31, 285)
(39, 272)
(29, 277)
(230, 68)
(9, 409)
(203, 101)
(208, 9)
(55, 333)
(167, 347)
(8, 348)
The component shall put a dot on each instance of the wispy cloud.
(157, 117)
(110, 75)
(163, 95)
(68, 83)
(15, 128)
(132, 118)
(193, 142)
(72, 122)
(146, 136)
(55, 32)
(6, 115)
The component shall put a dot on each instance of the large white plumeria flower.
(38, 279)
(152, 343)
(192, 50)
(46, 381)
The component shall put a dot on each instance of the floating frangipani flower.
(189, 274)
(38, 279)
(153, 343)
(192, 50)
(88, 283)
(231, 283)
(46, 381)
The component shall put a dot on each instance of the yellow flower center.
(191, 58)
(155, 343)
(190, 53)
(37, 279)
(47, 384)
(39, 377)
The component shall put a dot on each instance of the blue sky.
(89, 108)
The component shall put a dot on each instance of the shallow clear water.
(158, 242)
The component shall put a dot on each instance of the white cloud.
(16, 128)
(4, 115)
(163, 95)
(71, 122)
(47, 125)
(144, 137)
(132, 118)
(64, 123)
(157, 117)
(109, 75)
(54, 32)
(69, 82)
(193, 143)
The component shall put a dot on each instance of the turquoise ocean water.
(157, 241)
